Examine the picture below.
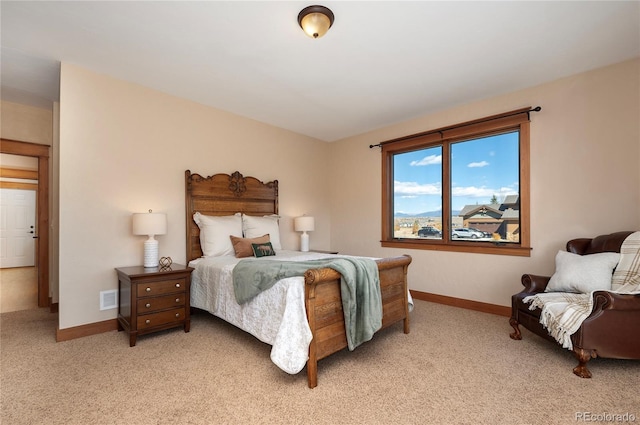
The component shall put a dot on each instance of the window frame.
(510, 121)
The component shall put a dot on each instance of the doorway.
(41, 153)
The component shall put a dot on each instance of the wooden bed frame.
(227, 194)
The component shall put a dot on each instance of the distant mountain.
(425, 214)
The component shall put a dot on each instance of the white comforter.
(277, 316)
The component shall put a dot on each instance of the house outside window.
(460, 188)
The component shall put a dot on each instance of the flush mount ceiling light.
(315, 20)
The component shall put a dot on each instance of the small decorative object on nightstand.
(165, 263)
(152, 300)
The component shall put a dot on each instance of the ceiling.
(381, 63)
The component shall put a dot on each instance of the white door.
(17, 227)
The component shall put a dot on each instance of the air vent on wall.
(108, 299)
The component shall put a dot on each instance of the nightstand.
(152, 300)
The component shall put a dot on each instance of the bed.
(301, 317)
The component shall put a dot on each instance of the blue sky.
(480, 169)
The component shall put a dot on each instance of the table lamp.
(304, 224)
(150, 224)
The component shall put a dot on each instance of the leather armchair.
(612, 330)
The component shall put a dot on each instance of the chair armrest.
(533, 283)
(604, 300)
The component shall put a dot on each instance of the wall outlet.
(108, 299)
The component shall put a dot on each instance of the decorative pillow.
(215, 232)
(262, 249)
(242, 246)
(583, 273)
(254, 227)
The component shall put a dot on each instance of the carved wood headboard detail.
(224, 194)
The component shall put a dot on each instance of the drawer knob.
(177, 285)
(148, 289)
(147, 321)
(177, 314)
(177, 300)
(147, 305)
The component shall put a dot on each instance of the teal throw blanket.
(359, 287)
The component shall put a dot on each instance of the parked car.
(429, 231)
(463, 232)
(485, 234)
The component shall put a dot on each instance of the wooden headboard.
(224, 194)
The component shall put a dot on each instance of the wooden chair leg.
(583, 357)
(516, 334)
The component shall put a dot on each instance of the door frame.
(42, 152)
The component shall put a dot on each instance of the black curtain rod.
(536, 109)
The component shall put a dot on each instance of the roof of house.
(510, 214)
(511, 199)
(472, 209)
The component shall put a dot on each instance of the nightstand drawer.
(162, 318)
(161, 287)
(148, 305)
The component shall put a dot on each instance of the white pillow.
(215, 232)
(583, 273)
(254, 227)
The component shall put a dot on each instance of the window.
(460, 188)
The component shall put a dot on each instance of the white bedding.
(276, 316)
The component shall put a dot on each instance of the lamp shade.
(149, 223)
(304, 224)
(315, 20)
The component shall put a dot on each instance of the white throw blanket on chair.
(563, 313)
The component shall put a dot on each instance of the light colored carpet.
(455, 367)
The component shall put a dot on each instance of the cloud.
(415, 189)
(477, 164)
(472, 191)
(482, 192)
(409, 190)
(427, 160)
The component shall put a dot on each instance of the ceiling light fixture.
(315, 20)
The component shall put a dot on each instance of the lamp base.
(304, 242)
(150, 253)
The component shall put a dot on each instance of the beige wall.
(585, 181)
(26, 123)
(124, 148)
